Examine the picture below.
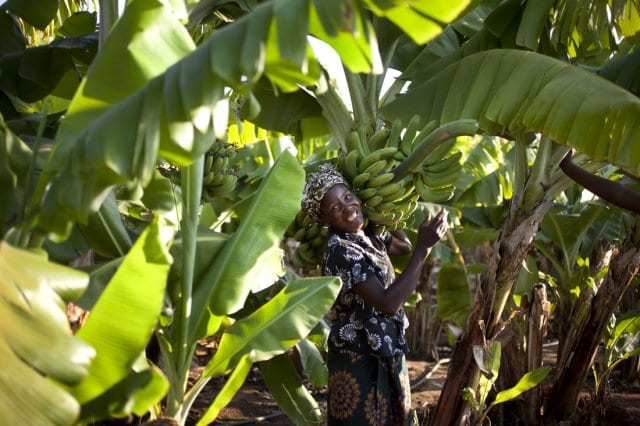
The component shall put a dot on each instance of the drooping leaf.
(528, 381)
(511, 91)
(277, 325)
(36, 12)
(134, 394)
(253, 255)
(126, 314)
(285, 385)
(230, 388)
(313, 363)
(34, 317)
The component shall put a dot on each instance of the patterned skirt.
(369, 390)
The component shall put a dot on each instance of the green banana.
(208, 161)
(379, 139)
(208, 177)
(426, 130)
(351, 140)
(440, 179)
(375, 156)
(373, 201)
(360, 180)
(366, 193)
(395, 196)
(300, 234)
(373, 215)
(389, 189)
(406, 144)
(394, 135)
(438, 154)
(380, 180)
(427, 194)
(447, 163)
(376, 167)
(351, 164)
(313, 232)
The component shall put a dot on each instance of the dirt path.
(253, 404)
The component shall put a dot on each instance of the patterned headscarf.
(316, 187)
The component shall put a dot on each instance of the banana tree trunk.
(491, 296)
(577, 361)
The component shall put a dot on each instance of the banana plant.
(177, 92)
(514, 93)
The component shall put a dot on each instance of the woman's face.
(340, 209)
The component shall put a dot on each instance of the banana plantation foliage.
(152, 160)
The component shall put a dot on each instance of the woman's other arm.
(613, 192)
(390, 300)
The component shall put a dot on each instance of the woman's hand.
(432, 231)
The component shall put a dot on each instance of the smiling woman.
(368, 378)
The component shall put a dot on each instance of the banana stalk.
(439, 136)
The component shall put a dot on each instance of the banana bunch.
(369, 166)
(434, 180)
(312, 238)
(218, 174)
(439, 171)
(219, 177)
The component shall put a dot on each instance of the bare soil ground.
(253, 404)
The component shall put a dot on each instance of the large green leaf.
(285, 385)
(230, 388)
(38, 71)
(252, 257)
(126, 314)
(36, 12)
(511, 91)
(37, 350)
(15, 158)
(277, 325)
(160, 113)
(421, 20)
(453, 294)
(568, 230)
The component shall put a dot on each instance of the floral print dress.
(368, 378)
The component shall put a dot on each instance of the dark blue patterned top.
(356, 327)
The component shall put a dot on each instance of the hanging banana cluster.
(369, 166)
(312, 238)
(434, 182)
(219, 176)
(218, 173)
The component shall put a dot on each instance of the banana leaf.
(285, 385)
(277, 325)
(511, 91)
(252, 257)
(38, 353)
(230, 388)
(453, 294)
(15, 158)
(123, 319)
(36, 12)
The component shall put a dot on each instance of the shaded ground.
(254, 405)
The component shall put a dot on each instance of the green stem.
(358, 95)
(540, 174)
(183, 349)
(521, 170)
(337, 115)
(108, 17)
(439, 136)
